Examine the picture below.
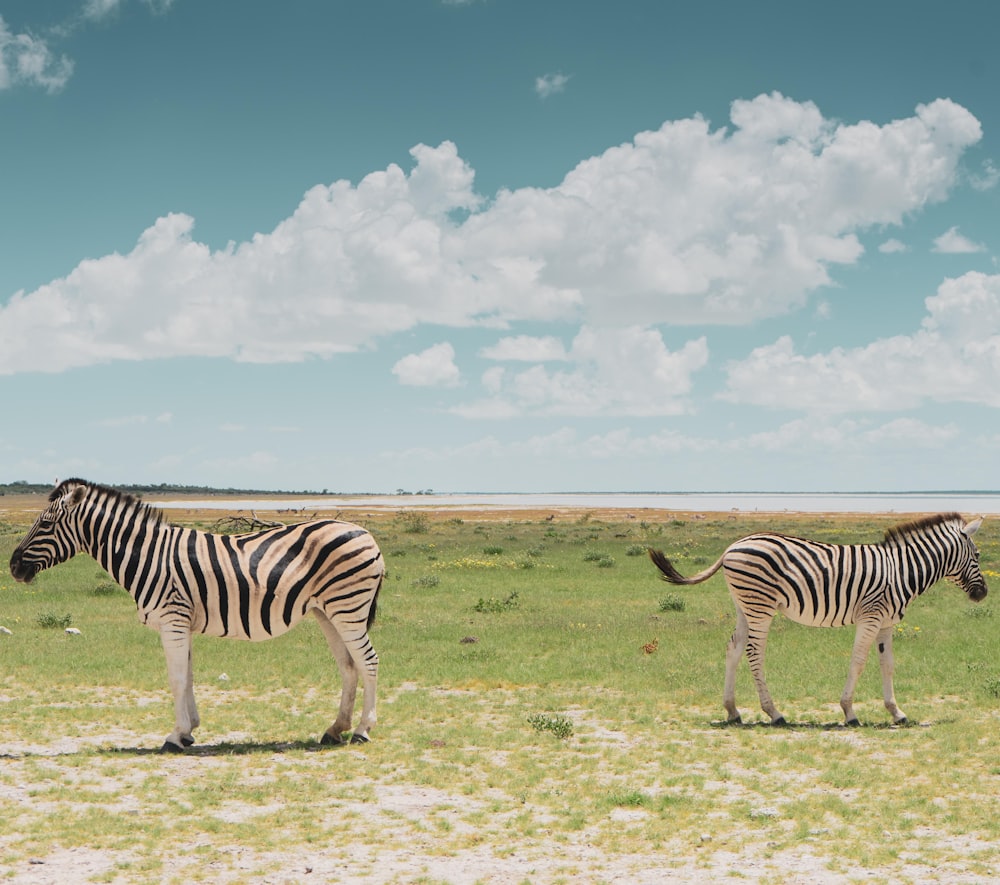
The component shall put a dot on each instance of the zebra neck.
(919, 569)
(131, 552)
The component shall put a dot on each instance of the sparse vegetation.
(492, 605)
(560, 726)
(569, 718)
(52, 621)
(672, 602)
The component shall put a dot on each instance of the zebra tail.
(669, 573)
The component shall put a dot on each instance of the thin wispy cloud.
(551, 84)
(100, 9)
(526, 348)
(26, 60)
(951, 242)
(893, 246)
(31, 60)
(987, 179)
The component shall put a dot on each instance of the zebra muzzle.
(22, 571)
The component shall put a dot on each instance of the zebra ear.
(74, 497)
(970, 527)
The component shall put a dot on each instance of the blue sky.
(501, 245)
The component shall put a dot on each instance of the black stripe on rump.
(289, 557)
(296, 591)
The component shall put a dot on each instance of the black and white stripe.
(829, 585)
(252, 586)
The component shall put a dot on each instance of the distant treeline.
(37, 488)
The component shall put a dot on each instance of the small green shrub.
(426, 581)
(628, 799)
(51, 621)
(493, 550)
(672, 603)
(601, 560)
(493, 605)
(105, 588)
(635, 550)
(560, 726)
(413, 523)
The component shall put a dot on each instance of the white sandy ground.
(395, 808)
(575, 861)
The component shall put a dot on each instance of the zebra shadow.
(764, 725)
(229, 748)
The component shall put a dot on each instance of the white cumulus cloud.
(685, 224)
(433, 367)
(625, 371)
(953, 357)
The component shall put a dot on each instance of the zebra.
(250, 586)
(829, 585)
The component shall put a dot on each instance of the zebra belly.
(223, 628)
(819, 619)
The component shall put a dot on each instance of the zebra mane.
(902, 531)
(130, 502)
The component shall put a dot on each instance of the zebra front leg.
(887, 665)
(734, 653)
(863, 638)
(176, 643)
(349, 681)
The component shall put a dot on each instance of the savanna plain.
(549, 711)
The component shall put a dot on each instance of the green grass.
(532, 709)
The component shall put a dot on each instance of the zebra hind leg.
(756, 645)
(734, 653)
(334, 735)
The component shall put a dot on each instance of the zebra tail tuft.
(666, 567)
(669, 573)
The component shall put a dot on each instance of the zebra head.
(966, 570)
(54, 537)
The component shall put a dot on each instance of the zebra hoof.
(360, 739)
(853, 723)
(187, 741)
(328, 740)
(779, 722)
(171, 747)
(904, 721)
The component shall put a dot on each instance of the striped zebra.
(251, 586)
(829, 585)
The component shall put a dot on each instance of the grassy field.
(549, 711)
